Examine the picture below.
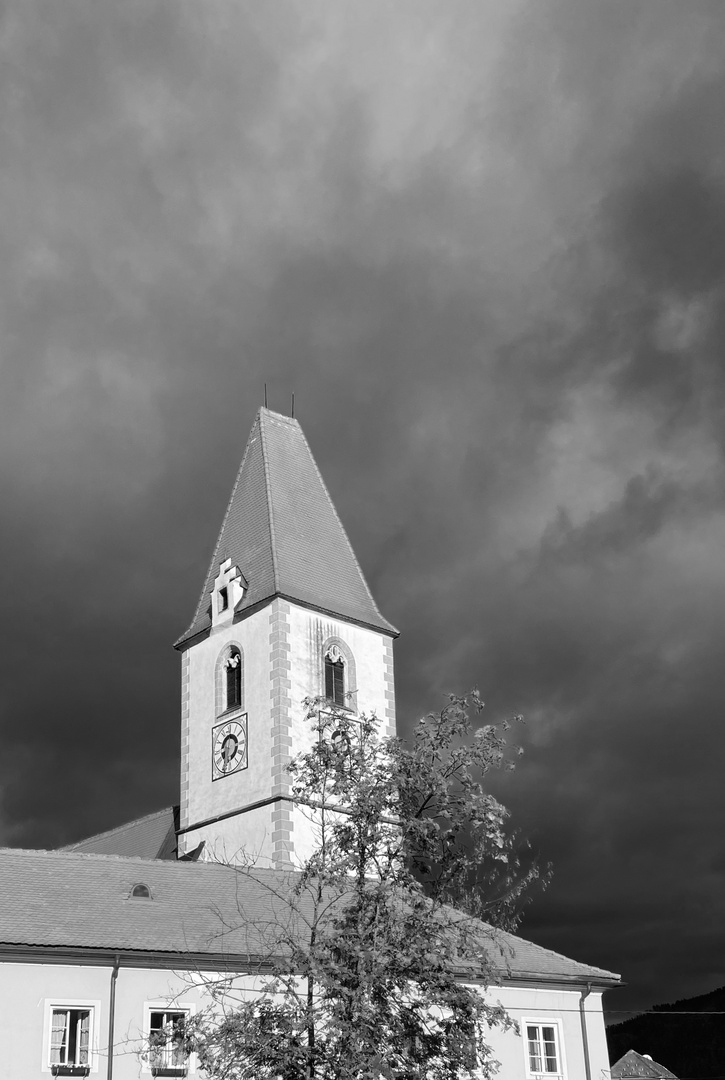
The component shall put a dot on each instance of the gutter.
(585, 1037)
(137, 958)
(112, 1015)
(527, 978)
(98, 956)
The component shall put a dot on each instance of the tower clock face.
(229, 747)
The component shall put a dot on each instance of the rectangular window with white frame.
(69, 1037)
(164, 1037)
(544, 1049)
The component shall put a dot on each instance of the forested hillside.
(687, 1037)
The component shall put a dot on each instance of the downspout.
(112, 1015)
(585, 1037)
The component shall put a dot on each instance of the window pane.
(552, 1064)
(156, 1024)
(535, 1057)
(74, 1016)
(329, 680)
(58, 1037)
(83, 1036)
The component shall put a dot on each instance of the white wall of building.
(28, 990)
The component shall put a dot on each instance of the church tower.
(285, 614)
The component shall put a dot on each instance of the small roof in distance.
(282, 531)
(634, 1066)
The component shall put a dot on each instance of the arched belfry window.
(339, 674)
(335, 675)
(230, 680)
(233, 667)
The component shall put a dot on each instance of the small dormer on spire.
(227, 592)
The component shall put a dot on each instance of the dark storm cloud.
(673, 230)
(484, 243)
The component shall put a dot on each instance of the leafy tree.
(374, 973)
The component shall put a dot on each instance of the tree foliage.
(379, 965)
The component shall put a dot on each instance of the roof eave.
(100, 956)
(600, 980)
(383, 627)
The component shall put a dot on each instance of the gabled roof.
(70, 900)
(149, 837)
(282, 531)
(634, 1066)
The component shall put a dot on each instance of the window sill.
(347, 709)
(233, 711)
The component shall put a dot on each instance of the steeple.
(285, 614)
(283, 534)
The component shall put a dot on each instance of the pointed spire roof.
(282, 531)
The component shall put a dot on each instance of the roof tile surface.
(69, 899)
(283, 532)
(634, 1066)
(149, 837)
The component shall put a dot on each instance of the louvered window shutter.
(339, 695)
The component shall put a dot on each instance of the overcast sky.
(483, 241)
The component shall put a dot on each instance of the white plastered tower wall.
(248, 816)
(369, 683)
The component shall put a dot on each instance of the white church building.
(107, 940)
